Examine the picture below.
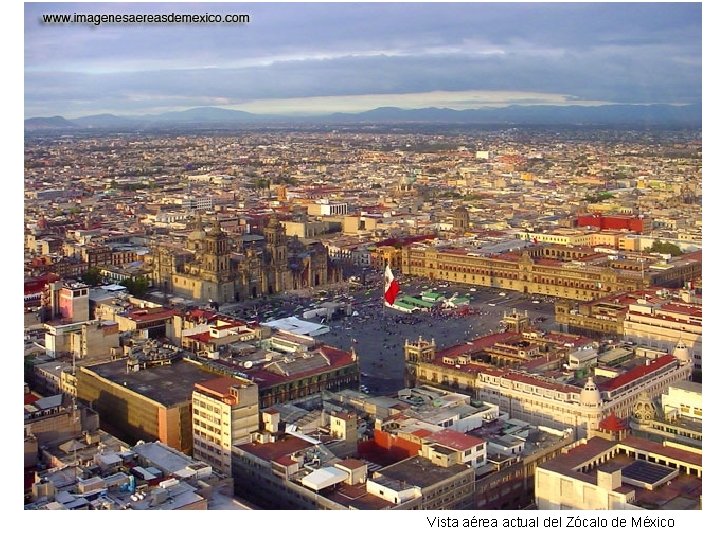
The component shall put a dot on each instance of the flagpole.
(382, 294)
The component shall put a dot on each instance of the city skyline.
(312, 59)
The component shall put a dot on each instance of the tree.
(91, 277)
(664, 247)
(598, 197)
(136, 286)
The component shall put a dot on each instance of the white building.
(683, 398)
(629, 474)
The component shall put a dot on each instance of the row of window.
(207, 406)
(207, 437)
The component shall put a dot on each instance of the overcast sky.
(306, 58)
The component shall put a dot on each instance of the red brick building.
(637, 224)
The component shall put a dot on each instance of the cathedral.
(211, 269)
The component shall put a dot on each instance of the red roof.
(455, 439)
(541, 383)
(220, 386)
(150, 314)
(203, 337)
(275, 450)
(568, 339)
(198, 314)
(284, 460)
(686, 309)
(694, 256)
(671, 452)
(37, 284)
(405, 241)
(476, 345)
(637, 372)
(613, 423)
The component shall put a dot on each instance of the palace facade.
(561, 271)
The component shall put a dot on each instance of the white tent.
(325, 477)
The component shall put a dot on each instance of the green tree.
(91, 277)
(598, 197)
(659, 246)
(137, 286)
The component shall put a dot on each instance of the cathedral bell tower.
(216, 254)
(461, 219)
(416, 352)
(277, 251)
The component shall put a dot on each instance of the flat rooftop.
(357, 497)
(684, 491)
(168, 385)
(420, 472)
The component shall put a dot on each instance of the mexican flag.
(392, 289)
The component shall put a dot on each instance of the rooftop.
(275, 450)
(682, 491)
(420, 472)
(637, 373)
(454, 439)
(168, 385)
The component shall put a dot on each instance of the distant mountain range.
(641, 115)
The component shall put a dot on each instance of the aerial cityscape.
(404, 256)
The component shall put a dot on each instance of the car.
(536, 301)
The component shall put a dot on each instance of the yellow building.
(143, 404)
(224, 412)
(567, 237)
(564, 272)
(386, 255)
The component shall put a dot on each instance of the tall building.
(143, 403)
(67, 301)
(224, 413)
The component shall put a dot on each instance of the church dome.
(197, 234)
(590, 395)
(681, 352)
(644, 409)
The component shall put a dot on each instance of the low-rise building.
(546, 398)
(148, 476)
(628, 474)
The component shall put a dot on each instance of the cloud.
(627, 53)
